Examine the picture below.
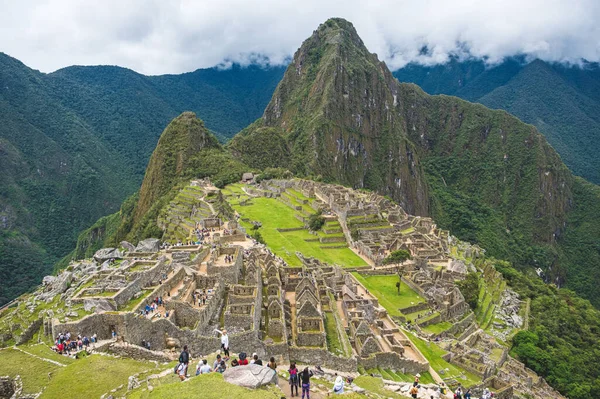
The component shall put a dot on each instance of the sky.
(163, 36)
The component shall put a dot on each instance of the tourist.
(243, 360)
(184, 359)
(417, 376)
(467, 394)
(305, 379)
(221, 367)
(257, 361)
(86, 342)
(272, 364)
(224, 342)
(486, 394)
(217, 362)
(414, 391)
(204, 367)
(94, 338)
(338, 385)
(458, 394)
(254, 356)
(293, 378)
(114, 335)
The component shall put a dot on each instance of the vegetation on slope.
(563, 340)
(562, 101)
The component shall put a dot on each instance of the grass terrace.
(207, 386)
(274, 214)
(384, 288)
(433, 353)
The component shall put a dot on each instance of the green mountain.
(561, 101)
(185, 150)
(75, 143)
(486, 176)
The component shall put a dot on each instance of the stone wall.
(392, 360)
(237, 321)
(184, 315)
(415, 308)
(29, 332)
(100, 324)
(321, 357)
(136, 352)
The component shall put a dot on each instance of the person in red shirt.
(243, 360)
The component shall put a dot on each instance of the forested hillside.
(562, 101)
(75, 143)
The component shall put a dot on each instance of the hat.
(418, 375)
(254, 354)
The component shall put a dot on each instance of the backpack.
(414, 390)
(242, 355)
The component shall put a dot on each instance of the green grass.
(33, 372)
(438, 327)
(434, 353)
(92, 376)
(275, 214)
(135, 301)
(384, 288)
(334, 344)
(44, 351)
(208, 386)
(375, 385)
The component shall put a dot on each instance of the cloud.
(157, 37)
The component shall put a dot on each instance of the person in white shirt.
(224, 342)
(203, 367)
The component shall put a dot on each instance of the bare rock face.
(100, 305)
(105, 254)
(56, 286)
(148, 245)
(251, 376)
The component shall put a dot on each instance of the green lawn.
(384, 288)
(275, 214)
(434, 353)
(133, 302)
(208, 386)
(92, 376)
(34, 372)
(438, 327)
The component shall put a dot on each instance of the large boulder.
(105, 254)
(127, 246)
(98, 304)
(251, 376)
(56, 286)
(148, 245)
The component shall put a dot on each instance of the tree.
(469, 287)
(316, 221)
(397, 257)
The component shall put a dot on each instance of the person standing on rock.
(224, 342)
(184, 360)
(305, 378)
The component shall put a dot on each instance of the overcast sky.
(163, 36)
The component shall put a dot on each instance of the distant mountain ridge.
(75, 143)
(563, 102)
